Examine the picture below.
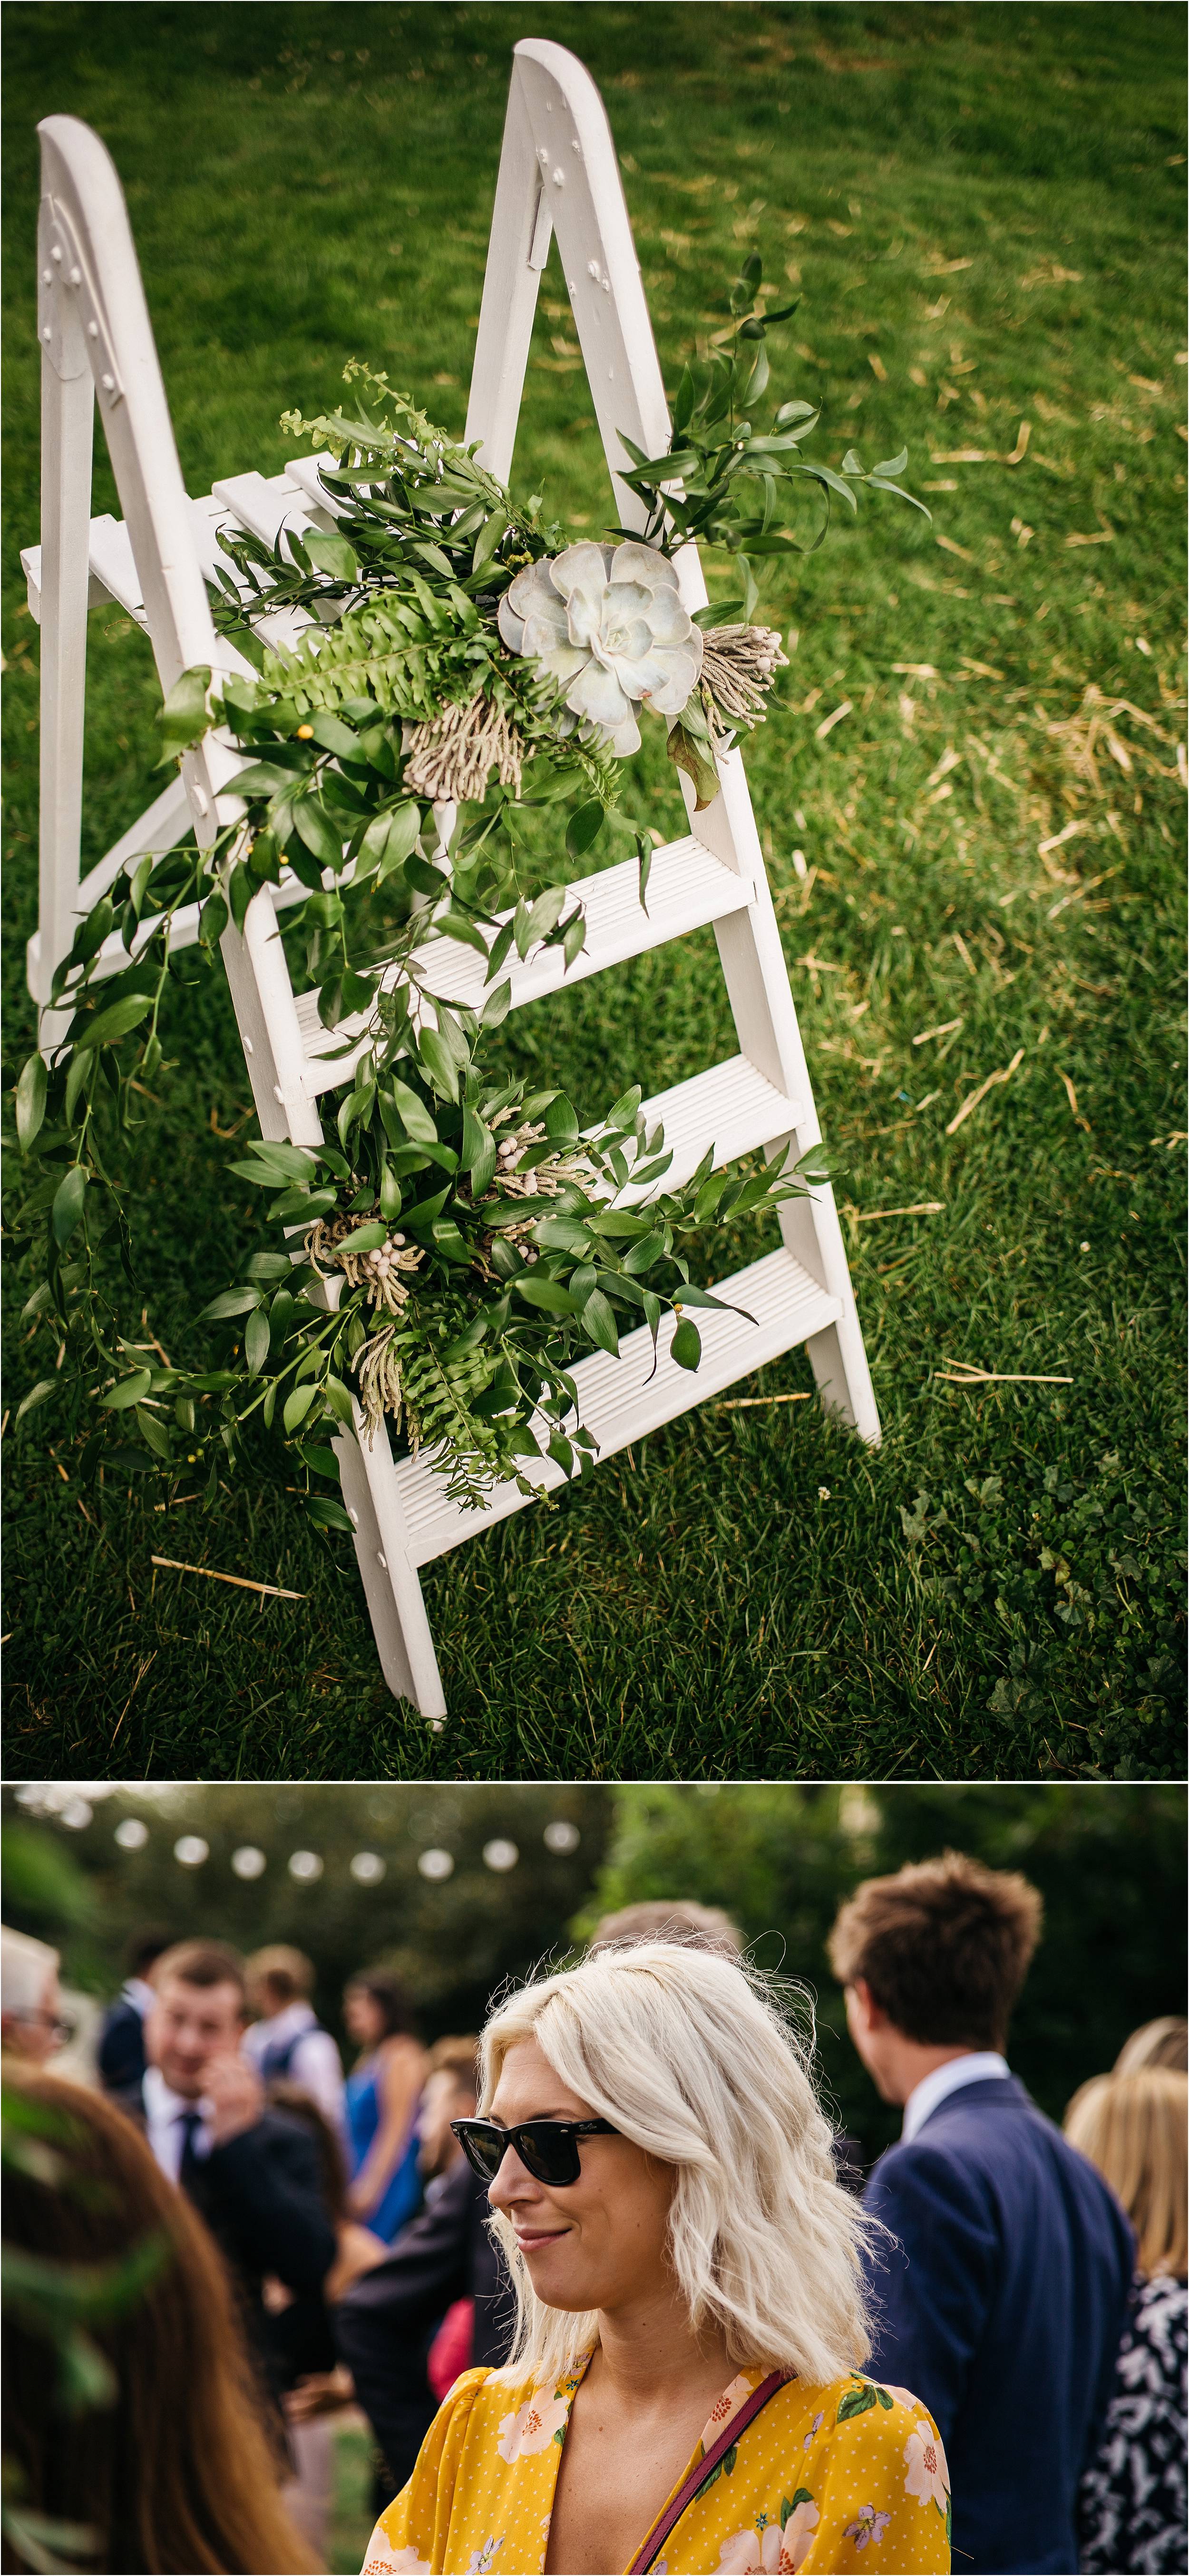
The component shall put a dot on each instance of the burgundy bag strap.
(650, 2549)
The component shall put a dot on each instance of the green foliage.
(44, 1892)
(1110, 1865)
(400, 599)
(513, 1257)
(731, 474)
(454, 1940)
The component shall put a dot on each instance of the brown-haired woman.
(1132, 2505)
(383, 2098)
(176, 2477)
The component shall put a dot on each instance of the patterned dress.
(846, 2477)
(1131, 2508)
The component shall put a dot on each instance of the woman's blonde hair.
(687, 2053)
(1133, 2127)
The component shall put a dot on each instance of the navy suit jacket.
(1001, 2306)
(121, 2047)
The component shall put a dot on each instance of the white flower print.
(383, 2560)
(608, 625)
(928, 2476)
(797, 2535)
(771, 2552)
(480, 2559)
(724, 2407)
(813, 2432)
(534, 2426)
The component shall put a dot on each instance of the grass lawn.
(977, 872)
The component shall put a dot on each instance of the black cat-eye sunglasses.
(548, 2148)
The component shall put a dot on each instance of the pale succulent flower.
(607, 623)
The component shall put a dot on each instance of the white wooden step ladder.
(558, 176)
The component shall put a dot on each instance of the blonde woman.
(686, 2391)
(1132, 2504)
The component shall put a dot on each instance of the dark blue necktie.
(191, 2166)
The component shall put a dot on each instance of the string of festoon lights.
(191, 1851)
(367, 1868)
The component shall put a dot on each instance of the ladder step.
(263, 504)
(620, 1400)
(307, 471)
(731, 1108)
(264, 507)
(687, 889)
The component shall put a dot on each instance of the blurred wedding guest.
(173, 2474)
(1133, 2500)
(383, 2094)
(670, 1918)
(251, 2172)
(300, 2323)
(31, 2022)
(1002, 2286)
(287, 2044)
(1158, 2043)
(300, 2340)
(688, 2386)
(450, 2094)
(121, 2040)
(387, 2325)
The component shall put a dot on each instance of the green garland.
(446, 1263)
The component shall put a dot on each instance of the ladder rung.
(114, 577)
(264, 505)
(307, 471)
(731, 1107)
(620, 1400)
(687, 888)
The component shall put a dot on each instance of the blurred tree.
(456, 1938)
(1109, 1862)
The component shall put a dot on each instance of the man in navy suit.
(251, 2172)
(122, 2058)
(1001, 2290)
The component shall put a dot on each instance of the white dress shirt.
(166, 2113)
(975, 2068)
(315, 2064)
(139, 1993)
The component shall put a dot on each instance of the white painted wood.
(557, 139)
(621, 1400)
(729, 1110)
(558, 176)
(67, 404)
(153, 563)
(687, 890)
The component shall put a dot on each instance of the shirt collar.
(977, 2067)
(137, 1991)
(296, 2016)
(162, 2104)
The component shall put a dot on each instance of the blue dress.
(401, 2197)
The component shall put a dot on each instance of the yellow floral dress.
(851, 2476)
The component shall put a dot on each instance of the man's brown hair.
(202, 1963)
(670, 1918)
(289, 1973)
(459, 2058)
(944, 1947)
